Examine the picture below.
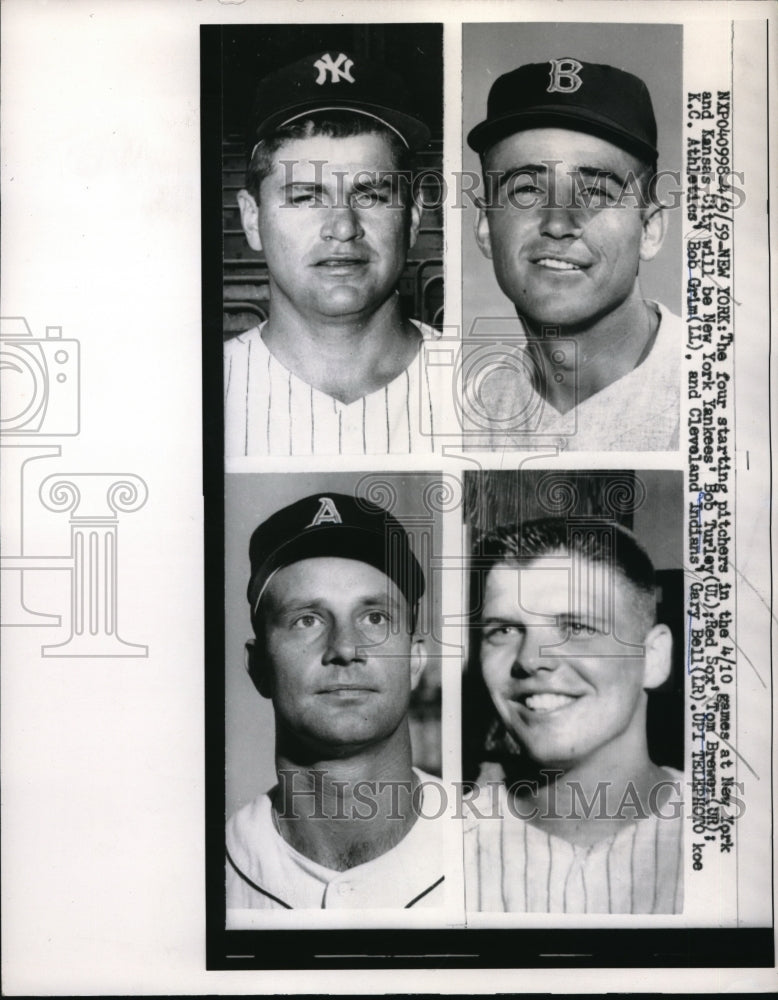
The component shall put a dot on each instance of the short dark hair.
(336, 125)
(603, 541)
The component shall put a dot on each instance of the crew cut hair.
(603, 542)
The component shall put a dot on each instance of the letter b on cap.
(564, 76)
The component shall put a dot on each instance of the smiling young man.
(569, 649)
(334, 594)
(569, 154)
(337, 368)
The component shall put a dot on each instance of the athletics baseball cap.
(337, 81)
(333, 524)
(586, 97)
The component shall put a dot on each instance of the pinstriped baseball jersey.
(513, 866)
(268, 410)
(264, 872)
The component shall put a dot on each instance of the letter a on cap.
(564, 76)
(326, 514)
(339, 69)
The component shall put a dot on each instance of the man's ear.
(658, 657)
(654, 229)
(249, 217)
(414, 221)
(418, 660)
(254, 668)
(482, 235)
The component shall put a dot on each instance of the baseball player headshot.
(582, 820)
(569, 150)
(334, 594)
(329, 201)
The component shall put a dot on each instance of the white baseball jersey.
(638, 412)
(264, 872)
(513, 866)
(268, 410)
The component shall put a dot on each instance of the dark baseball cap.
(333, 524)
(586, 97)
(337, 81)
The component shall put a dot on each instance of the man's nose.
(533, 653)
(342, 223)
(345, 644)
(561, 216)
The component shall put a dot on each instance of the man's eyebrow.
(500, 620)
(534, 618)
(600, 173)
(379, 599)
(586, 618)
(519, 171)
(295, 604)
(304, 185)
(533, 169)
(373, 183)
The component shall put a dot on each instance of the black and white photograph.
(576, 131)
(333, 683)
(573, 693)
(333, 242)
(386, 578)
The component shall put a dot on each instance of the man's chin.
(349, 298)
(556, 314)
(337, 743)
(345, 304)
(544, 754)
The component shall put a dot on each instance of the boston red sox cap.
(337, 81)
(587, 97)
(333, 524)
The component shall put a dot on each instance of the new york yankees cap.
(604, 101)
(337, 81)
(333, 524)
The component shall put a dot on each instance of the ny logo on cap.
(340, 69)
(564, 76)
(326, 514)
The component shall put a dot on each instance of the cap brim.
(489, 132)
(413, 131)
